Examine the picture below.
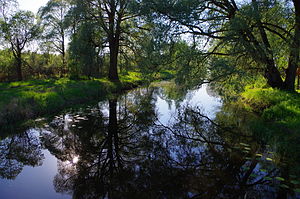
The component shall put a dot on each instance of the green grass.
(165, 75)
(20, 101)
(279, 122)
(276, 106)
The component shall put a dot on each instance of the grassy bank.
(20, 101)
(275, 106)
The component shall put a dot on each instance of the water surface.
(149, 143)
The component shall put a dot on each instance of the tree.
(7, 7)
(86, 43)
(248, 27)
(110, 16)
(82, 52)
(18, 31)
(53, 17)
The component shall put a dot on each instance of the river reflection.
(18, 151)
(147, 145)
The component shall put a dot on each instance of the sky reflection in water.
(142, 145)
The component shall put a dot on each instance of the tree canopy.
(18, 30)
(105, 38)
(255, 30)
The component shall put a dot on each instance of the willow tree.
(252, 28)
(111, 17)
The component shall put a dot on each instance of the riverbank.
(280, 108)
(20, 101)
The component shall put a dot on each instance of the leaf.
(244, 144)
(259, 155)
(268, 178)
(297, 190)
(295, 182)
(269, 159)
(279, 178)
(247, 148)
(246, 168)
(284, 186)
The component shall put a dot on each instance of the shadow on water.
(126, 148)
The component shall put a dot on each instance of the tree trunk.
(273, 76)
(289, 83)
(19, 66)
(298, 84)
(63, 55)
(113, 63)
(63, 64)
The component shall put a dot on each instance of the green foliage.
(6, 65)
(255, 35)
(19, 29)
(29, 99)
(159, 59)
(55, 27)
(190, 65)
(230, 87)
(35, 65)
(165, 75)
(279, 123)
(83, 57)
(131, 77)
(280, 107)
(153, 55)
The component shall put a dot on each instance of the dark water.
(149, 143)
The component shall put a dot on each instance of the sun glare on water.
(75, 160)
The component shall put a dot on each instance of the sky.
(32, 5)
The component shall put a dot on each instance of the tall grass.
(20, 101)
(274, 105)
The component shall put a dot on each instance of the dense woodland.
(205, 40)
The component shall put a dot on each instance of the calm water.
(149, 143)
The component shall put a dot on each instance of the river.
(151, 142)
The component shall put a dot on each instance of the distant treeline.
(48, 65)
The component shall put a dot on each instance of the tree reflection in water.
(122, 150)
(18, 151)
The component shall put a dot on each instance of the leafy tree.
(86, 42)
(83, 55)
(18, 31)
(53, 17)
(7, 7)
(248, 27)
(111, 17)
